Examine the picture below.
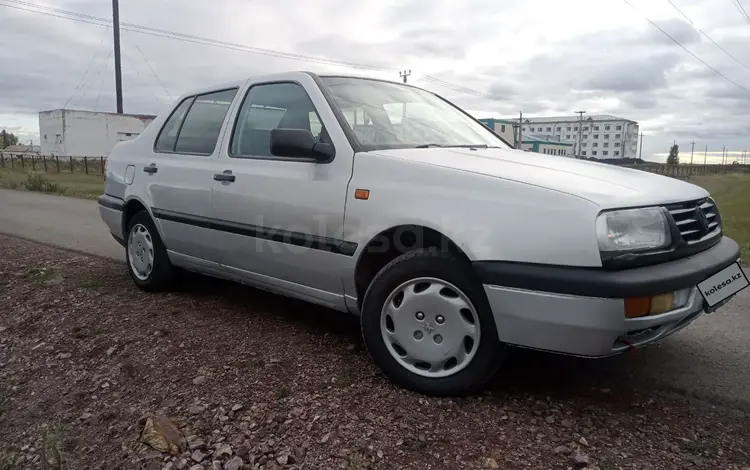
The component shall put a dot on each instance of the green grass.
(39, 274)
(76, 184)
(52, 441)
(732, 194)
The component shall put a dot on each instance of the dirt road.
(708, 360)
(254, 381)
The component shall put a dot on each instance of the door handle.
(227, 176)
(151, 169)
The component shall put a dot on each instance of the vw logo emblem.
(700, 216)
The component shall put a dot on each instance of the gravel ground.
(252, 380)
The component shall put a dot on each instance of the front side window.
(168, 136)
(267, 107)
(202, 126)
(385, 115)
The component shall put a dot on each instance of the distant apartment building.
(502, 127)
(69, 132)
(531, 141)
(601, 136)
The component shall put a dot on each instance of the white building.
(601, 136)
(68, 132)
(531, 141)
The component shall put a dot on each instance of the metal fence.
(686, 171)
(55, 163)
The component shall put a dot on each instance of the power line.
(687, 50)
(143, 80)
(461, 89)
(103, 66)
(98, 95)
(153, 71)
(741, 9)
(705, 34)
(91, 62)
(67, 14)
(132, 27)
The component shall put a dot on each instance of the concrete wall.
(51, 132)
(86, 133)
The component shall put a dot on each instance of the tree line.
(7, 139)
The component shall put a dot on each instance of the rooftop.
(591, 118)
(22, 149)
(137, 116)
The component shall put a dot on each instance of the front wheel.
(428, 325)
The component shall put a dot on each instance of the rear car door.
(283, 217)
(180, 173)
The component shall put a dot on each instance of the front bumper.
(580, 311)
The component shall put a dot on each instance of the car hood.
(604, 184)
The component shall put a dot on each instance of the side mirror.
(299, 143)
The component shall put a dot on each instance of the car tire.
(444, 286)
(146, 256)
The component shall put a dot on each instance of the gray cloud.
(631, 70)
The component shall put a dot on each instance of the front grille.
(696, 220)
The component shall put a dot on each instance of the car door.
(283, 217)
(180, 175)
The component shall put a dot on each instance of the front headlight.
(633, 230)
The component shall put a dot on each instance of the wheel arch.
(133, 205)
(393, 242)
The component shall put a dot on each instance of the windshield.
(386, 115)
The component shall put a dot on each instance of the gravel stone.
(198, 456)
(235, 463)
(563, 450)
(282, 358)
(580, 460)
(223, 451)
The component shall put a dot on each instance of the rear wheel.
(146, 256)
(427, 324)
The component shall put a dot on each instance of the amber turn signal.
(661, 303)
(637, 306)
(363, 194)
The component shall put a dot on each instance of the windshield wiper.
(469, 146)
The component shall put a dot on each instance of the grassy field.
(732, 193)
(68, 184)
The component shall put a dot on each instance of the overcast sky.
(542, 57)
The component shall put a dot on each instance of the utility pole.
(580, 129)
(118, 71)
(723, 154)
(705, 153)
(692, 148)
(403, 74)
(640, 152)
(519, 144)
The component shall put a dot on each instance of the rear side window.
(168, 135)
(202, 125)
